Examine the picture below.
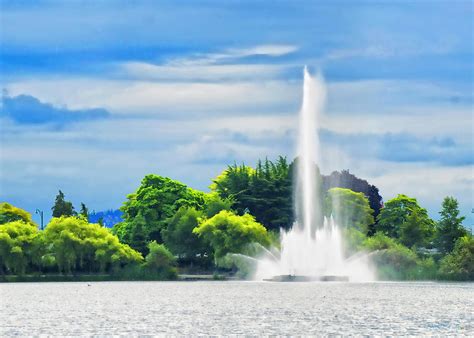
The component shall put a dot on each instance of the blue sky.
(98, 94)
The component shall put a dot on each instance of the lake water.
(220, 308)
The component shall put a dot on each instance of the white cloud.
(128, 96)
(201, 72)
(234, 53)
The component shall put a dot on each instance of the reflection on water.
(253, 308)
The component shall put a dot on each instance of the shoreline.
(109, 278)
(181, 278)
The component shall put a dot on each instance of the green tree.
(77, 245)
(137, 236)
(459, 264)
(215, 204)
(179, 237)
(265, 192)
(230, 233)
(84, 211)
(20, 247)
(62, 207)
(349, 209)
(10, 213)
(449, 228)
(397, 211)
(417, 230)
(156, 200)
(345, 179)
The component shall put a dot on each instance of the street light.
(40, 212)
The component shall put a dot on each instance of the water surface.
(254, 308)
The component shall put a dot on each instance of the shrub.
(159, 263)
(459, 264)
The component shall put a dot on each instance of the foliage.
(264, 192)
(160, 261)
(214, 204)
(157, 199)
(392, 258)
(349, 209)
(227, 232)
(77, 245)
(459, 264)
(267, 191)
(62, 207)
(354, 240)
(345, 179)
(394, 220)
(84, 211)
(449, 228)
(10, 213)
(20, 247)
(417, 230)
(179, 237)
(396, 261)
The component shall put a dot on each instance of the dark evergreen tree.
(84, 211)
(62, 207)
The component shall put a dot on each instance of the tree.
(397, 211)
(227, 232)
(10, 213)
(62, 207)
(449, 228)
(137, 236)
(215, 204)
(349, 209)
(459, 264)
(265, 192)
(179, 237)
(417, 230)
(156, 200)
(345, 179)
(84, 211)
(76, 245)
(20, 246)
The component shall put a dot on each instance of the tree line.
(168, 225)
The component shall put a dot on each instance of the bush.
(394, 260)
(459, 264)
(159, 263)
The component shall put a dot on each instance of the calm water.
(218, 308)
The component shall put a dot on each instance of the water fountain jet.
(313, 248)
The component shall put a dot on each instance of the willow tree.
(227, 232)
(77, 245)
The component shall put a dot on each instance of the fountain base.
(298, 278)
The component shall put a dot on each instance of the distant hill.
(109, 217)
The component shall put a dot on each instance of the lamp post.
(40, 212)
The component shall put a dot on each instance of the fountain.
(313, 248)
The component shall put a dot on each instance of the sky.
(97, 94)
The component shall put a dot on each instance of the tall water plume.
(307, 202)
(314, 245)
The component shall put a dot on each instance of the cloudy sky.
(96, 94)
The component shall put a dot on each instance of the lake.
(222, 308)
